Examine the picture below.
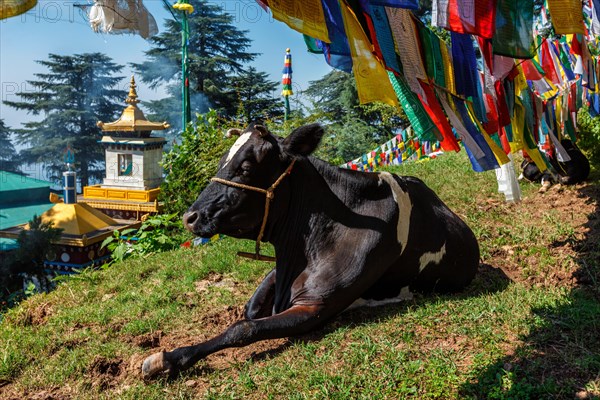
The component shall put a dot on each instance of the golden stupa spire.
(132, 97)
(132, 119)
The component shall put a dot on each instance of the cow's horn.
(233, 132)
(262, 130)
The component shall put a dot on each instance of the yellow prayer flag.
(305, 16)
(372, 81)
(567, 16)
(519, 132)
(448, 68)
(11, 8)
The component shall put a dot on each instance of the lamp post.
(185, 8)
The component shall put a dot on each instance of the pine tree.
(75, 93)
(9, 160)
(354, 127)
(257, 96)
(218, 51)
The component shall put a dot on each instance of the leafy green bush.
(589, 135)
(29, 257)
(191, 164)
(158, 233)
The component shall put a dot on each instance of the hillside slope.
(529, 326)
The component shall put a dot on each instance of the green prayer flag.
(420, 121)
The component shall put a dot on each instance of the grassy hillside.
(529, 326)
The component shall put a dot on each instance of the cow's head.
(256, 159)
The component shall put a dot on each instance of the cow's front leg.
(261, 303)
(296, 320)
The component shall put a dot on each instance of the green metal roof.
(8, 244)
(21, 214)
(10, 181)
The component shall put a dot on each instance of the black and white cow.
(571, 172)
(341, 238)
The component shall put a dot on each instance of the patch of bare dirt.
(103, 372)
(55, 393)
(33, 315)
(574, 209)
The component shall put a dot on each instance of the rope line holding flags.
(520, 94)
(402, 148)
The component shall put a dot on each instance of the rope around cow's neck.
(270, 194)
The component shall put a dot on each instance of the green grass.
(532, 338)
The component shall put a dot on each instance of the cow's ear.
(304, 140)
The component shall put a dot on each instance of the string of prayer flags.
(523, 95)
(404, 147)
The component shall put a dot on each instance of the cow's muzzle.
(189, 220)
(197, 222)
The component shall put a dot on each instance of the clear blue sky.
(56, 26)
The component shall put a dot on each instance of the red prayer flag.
(434, 110)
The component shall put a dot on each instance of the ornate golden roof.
(132, 119)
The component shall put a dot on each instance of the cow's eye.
(245, 168)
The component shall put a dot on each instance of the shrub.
(191, 164)
(156, 234)
(33, 245)
(589, 135)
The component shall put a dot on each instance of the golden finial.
(132, 98)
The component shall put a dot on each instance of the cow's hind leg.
(261, 302)
(296, 320)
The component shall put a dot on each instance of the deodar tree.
(218, 51)
(76, 92)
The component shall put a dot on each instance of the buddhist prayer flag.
(371, 78)
(411, 4)
(477, 17)
(433, 108)
(337, 51)
(406, 37)
(567, 16)
(303, 16)
(12, 8)
(385, 40)
(413, 107)
(514, 29)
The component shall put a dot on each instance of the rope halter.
(270, 195)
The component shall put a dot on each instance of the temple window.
(125, 164)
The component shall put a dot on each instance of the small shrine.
(133, 175)
(84, 228)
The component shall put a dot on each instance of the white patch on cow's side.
(404, 208)
(236, 147)
(405, 294)
(433, 257)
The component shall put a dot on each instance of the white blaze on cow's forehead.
(236, 147)
(432, 257)
(404, 207)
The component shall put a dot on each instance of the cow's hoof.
(156, 364)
